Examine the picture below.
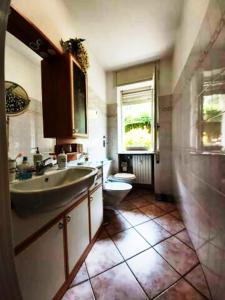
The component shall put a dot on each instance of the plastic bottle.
(62, 160)
(37, 156)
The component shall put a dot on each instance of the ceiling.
(122, 33)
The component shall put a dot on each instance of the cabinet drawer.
(96, 208)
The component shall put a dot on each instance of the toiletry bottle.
(62, 160)
(37, 156)
(25, 164)
(25, 170)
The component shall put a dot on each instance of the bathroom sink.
(50, 191)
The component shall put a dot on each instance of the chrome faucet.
(41, 166)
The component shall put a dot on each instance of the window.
(136, 117)
(212, 121)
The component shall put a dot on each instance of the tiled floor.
(143, 252)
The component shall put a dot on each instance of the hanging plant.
(76, 47)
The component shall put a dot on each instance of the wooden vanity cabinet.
(48, 259)
(64, 97)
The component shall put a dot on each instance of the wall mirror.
(17, 100)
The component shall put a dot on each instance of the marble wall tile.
(198, 178)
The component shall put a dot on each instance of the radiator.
(142, 168)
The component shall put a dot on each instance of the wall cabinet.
(64, 97)
(47, 263)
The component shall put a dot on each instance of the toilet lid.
(119, 186)
(124, 176)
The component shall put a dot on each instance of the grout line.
(89, 279)
(196, 288)
(151, 246)
(171, 235)
(110, 268)
(130, 269)
(160, 293)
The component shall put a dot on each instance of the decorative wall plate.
(17, 100)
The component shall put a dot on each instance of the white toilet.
(114, 187)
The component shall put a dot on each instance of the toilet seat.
(117, 186)
(126, 176)
(122, 177)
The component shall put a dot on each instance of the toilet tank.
(107, 169)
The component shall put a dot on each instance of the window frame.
(201, 122)
(120, 89)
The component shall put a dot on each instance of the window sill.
(136, 152)
(211, 153)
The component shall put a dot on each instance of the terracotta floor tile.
(126, 205)
(135, 217)
(117, 224)
(103, 255)
(180, 256)
(176, 214)
(197, 279)
(167, 206)
(152, 211)
(170, 223)
(81, 276)
(130, 243)
(180, 291)
(152, 232)
(149, 196)
(82, 291)
(133, 194)
(102, 235)
(184, 237)
(152, 272)
(146, 192)
(117, 283)
(109, 214)
(140, 201)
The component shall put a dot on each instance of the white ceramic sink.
(50, 191)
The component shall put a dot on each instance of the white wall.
(192, 17)
(166, 76)
(22, 66)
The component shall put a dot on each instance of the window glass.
(137, 119)
(212, 117)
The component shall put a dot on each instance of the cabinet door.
(40, 267)
(96, 207)
(77, 232)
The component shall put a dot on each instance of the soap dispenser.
(62, 160)
(37, 156)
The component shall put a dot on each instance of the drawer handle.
(68, 219)
(60, 225)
